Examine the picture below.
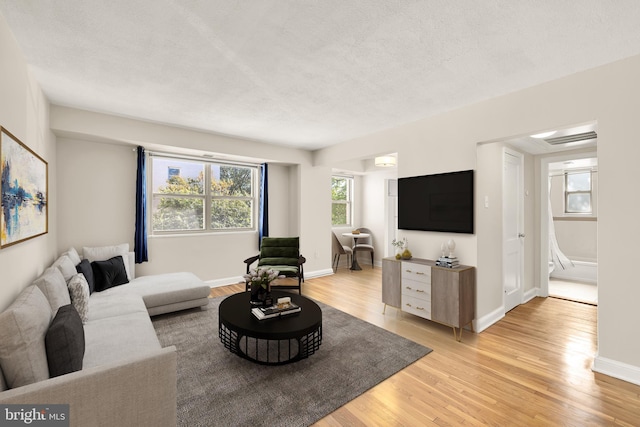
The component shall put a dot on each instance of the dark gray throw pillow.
(109, 273)
(64, 342)
(85, 268)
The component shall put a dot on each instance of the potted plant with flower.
(260, 280)
(402, 248)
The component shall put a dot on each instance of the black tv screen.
(440, 202)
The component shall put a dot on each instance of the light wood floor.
(531, 368)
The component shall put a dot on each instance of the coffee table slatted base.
(268, 351)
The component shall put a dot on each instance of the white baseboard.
(530, 294)
(485, 321)
(216, 283)
(615, 369)
(318, 273)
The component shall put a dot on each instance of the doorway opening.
(572, 222)
(569, 144)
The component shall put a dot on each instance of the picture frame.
(25, 188)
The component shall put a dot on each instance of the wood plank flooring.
(531, 368)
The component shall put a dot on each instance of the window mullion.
(207, 197)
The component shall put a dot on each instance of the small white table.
(354, 259)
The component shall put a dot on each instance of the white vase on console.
(451, 245)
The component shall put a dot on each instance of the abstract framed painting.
(24, 191)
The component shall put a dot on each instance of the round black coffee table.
(274, 341)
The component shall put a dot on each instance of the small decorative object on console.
(448, 262)
(451, 244)
(402, 251)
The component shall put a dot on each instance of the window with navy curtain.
(263, 204)
(140, 247)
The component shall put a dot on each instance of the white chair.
(365, 244)
(339, 249)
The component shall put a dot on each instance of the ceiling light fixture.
(385, 161)
(543, 134)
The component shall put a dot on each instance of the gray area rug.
(218, 388)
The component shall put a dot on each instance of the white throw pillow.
(79, 292)
(104, 253)
(66, 267)
(73, 254)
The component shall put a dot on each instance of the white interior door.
(513, 228)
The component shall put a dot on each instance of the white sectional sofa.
(126, 377)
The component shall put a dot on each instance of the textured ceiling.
(308, 73)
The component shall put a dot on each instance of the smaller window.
(341, 200)
(577, 192)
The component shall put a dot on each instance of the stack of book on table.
(448, 262)
(269, 312)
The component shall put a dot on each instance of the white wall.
(97, 194)
(24, 111)
(530, 215)
(609, 95)
(280, 223)
(97, 197)
(489, 298)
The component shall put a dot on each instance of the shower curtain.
(559, 259)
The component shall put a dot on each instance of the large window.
(341, 200)
(199, 196)
(577, 192)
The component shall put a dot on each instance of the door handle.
(521, 235)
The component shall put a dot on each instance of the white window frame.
(348, 202)
(588, 192)
(207, 197)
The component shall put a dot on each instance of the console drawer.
(416, 289)
(419, 307)
(417, 272)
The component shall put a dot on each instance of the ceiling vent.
(580, 137)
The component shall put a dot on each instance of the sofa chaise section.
(166, 293)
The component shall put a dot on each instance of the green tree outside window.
(341, 195)
(180, 203)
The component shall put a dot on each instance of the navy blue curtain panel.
(263, 212)
(140, 247)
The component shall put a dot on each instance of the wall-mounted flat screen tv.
(440, 202)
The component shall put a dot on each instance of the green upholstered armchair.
(281, 254)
